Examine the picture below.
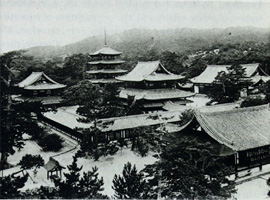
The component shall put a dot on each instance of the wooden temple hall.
(240, 135)
(205, 80)
(152, 85)
(38, 86)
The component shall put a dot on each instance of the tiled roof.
(106, 51)
(154, 94)
(67, 116)
(107, 71)
(239, 129)
(111, 62)
(109, 80)
(30, 83)
(148, 71)
(211, 71)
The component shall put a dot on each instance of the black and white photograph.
(135, 99)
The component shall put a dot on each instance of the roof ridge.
(148, 61)
(260, 107)
(132, 116)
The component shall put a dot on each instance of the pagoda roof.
(106, 51)
(154, 94)
(239, 129)
(34, 82)
(209, 74)
(107, 71)
(106, 62)
(148, 71)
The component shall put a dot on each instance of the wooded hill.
(137, 42)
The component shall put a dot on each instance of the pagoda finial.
(105, 38)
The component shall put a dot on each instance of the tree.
(188, 169)
(51, 142)
(89, 186)
(131, 185)
(10, 187)
(16, 118)
(227, 85)
(28, 161)
(74, 66)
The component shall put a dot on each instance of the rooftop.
(149, 71)
(39, 81)
(106, 51)
(239, 129)
(111, 62)
(211, 71)
(107, 71)
(154, 94)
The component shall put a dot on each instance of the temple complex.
(152, 85)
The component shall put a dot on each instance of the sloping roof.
(52, 164)
(136, 121)
(111, 62)
(170, 106)
(30, 83)
(104, 81)
(239, 129)
(154, 94)
(106, 51)
(67, 116)
(258, 78)
(220, 107)
(107, 71)
(211, 71)
(147, 71)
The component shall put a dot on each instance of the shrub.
(51, 142)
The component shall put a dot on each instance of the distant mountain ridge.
(138, 41)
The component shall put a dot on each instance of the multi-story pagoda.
(104, 66)
(152, 85)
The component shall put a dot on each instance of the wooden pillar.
(236, 162)
(260, 166)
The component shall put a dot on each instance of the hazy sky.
(27, 23)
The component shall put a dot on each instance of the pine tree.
(130, 185)
(188, 169)
(9, 187)
(89, 186)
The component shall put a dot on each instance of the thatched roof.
(149, 71)
(39, 81)
(239, 129)
(211, 71)
(154, 94)
(106, 51)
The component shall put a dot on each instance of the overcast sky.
(27, 23)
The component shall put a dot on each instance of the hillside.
(136, 42)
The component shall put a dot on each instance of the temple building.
(205, 80)
(104, 66)
(240, 134)
(152, 85)
(38, 86)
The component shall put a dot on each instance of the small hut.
(53, 166)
